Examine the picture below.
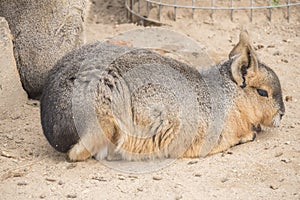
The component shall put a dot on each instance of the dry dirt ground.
(268, 168)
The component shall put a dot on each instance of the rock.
(12, 94)
(278, 154)
(192, 162)
(226, 153)
(229, 152)
(11, 174)
(260, 46)
(287, 40)
(22, 183)
(197, 175)
(72, 196)
(7, 155)
(121, 178)
(50, 179)
(288, 98)
(223, 180)
(60, 182)
(99, 178)
(133, 177)
(157, 178)
(43, 32)
(72, 165)
(274, 187)
(286, 160)
(276, 53)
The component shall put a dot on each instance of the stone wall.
(43, 32)
(12, 94)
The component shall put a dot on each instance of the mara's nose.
(281, 115)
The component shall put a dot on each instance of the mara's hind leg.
(100, 145)
(78, 152)
(109, 153)
(88, 146)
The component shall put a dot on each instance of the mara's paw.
(248, 138)
(78, 153)
(114, 157)
(107, 153)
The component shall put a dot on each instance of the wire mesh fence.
(153, 10)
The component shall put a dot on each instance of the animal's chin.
(276, 120)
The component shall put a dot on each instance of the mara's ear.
(245, 63)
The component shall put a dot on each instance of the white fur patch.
(276, 120)
(102, 153)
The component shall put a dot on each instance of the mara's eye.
(262, 93)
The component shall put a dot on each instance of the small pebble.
(7, 155)
(197, 175)
(226, 153)
(276, 53)
(192, 162)
(224, 180)
(274, 187)
(286, 160)
(50, 179)
(22, 183)
(281, 180)
(42, 196)
(72, 196)
(8, 136)
(133, 177)
(157, 178)
(288, 98)
(72, 165)
(99, 178)
(60, 182)
(287, 40)
(260, 46)
(278, 154)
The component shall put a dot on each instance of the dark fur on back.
(58, 126)
(57, 116)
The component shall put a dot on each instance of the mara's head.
(260, 86)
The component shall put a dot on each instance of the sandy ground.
(268, 168)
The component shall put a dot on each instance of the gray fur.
(56, 102)
(122, 74)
